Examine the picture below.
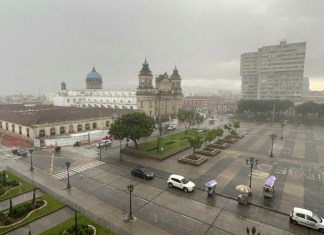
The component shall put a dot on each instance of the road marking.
(260, 174)
(110, 186)
(187, 217)
(77, 169)
(142, 199)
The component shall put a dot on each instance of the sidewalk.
(102, 213)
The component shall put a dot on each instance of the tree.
(133, 126)
(195, 143)
(186, 116)
(199, 119)
(236, 125)
(10, 208)
(306, 108)
(228, 127)
(219, 132)
(211, 135)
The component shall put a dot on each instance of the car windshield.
(317, 218)
(185, 181)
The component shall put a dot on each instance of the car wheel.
(321, 230)
(170, 185)
(185, 190)
(294, 222)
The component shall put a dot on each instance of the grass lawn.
(58, 229)
(52, 205)
(170, 142)
(22, 188)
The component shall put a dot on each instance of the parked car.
(306, 218)
(103, 143)
(181, 182)
(142, 172)
(20, 152)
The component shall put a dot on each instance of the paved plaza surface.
(297, 163)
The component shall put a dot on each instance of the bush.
(13, 183)
(2, 191)
(7, 221)
(83, 229)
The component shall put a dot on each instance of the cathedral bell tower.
(145, 95)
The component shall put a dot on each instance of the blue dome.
(94, 75)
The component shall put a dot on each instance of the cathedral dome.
(94, 75)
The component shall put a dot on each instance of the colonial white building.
(95, 96)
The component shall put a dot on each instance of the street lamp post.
(31, 160)
(100, 148)
(130, 189)
(251, 162)
(68, 164)
(282, 127)
(273, 136)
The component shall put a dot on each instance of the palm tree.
(195, 143)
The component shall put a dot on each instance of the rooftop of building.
(41, 114)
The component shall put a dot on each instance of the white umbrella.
(243, 188)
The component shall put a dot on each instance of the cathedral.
(162, 101)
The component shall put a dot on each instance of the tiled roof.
(29, 116)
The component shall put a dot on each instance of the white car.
(103, 143)
(181, 182)
(306, 218)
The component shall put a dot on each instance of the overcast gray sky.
(45, 42)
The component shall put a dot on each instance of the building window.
(62, 130)
(13, 128)
(27, 130)
(94, 125)
(107, 123)
(87, 126)
(0, 125)
(52, 131)
(68, 100)
(79, 127)
(41, 133)
(141, 104)
(20, 130)
(71, 129)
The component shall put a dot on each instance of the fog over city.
(45, 42)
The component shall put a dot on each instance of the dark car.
(20, 152)
(142, 172)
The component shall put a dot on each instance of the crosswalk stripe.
(77, 169)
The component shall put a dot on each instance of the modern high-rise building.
(274, 72)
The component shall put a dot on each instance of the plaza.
(99, 188)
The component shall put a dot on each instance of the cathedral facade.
(162, 101)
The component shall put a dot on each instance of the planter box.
(229, 140)
(211, 152)
(240, 136)
(197, 162)
(220, 145)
